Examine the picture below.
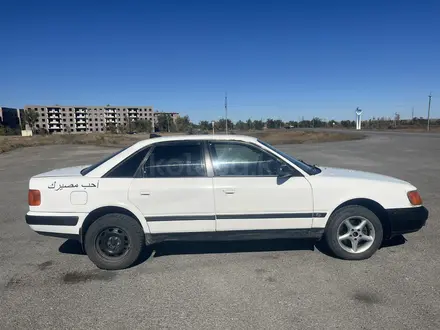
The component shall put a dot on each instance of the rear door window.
(182, 159)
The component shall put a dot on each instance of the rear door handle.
(229, 191)
(144, 193)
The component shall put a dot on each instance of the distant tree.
(317, 122)
(258, 124)
(205, 125)
(121, 128)
(127, 127)
(183, 124)
(31, 118)
(221, 125)
(41, 131)
(249, 124)
(291, 123)
(142, 126)
(333, 123)
(270, 123)
(240, 125)
(278, 123)
(165, 123)
(347, 123)
(305, 123)
(111, 128)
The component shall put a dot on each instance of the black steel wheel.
(114, 241)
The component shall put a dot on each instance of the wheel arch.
(100, 211)
(374, 207)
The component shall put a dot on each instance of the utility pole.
(226, 112)
(412, 113)
(429, 108)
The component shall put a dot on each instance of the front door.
(173, 191)
(249, 194)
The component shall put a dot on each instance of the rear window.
(89, 169)
(128, 167)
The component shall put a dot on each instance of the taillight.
(34, 197)
(414, 197)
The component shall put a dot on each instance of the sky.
(275, 59)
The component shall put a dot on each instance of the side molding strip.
(236, 216)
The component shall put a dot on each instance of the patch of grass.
(297, 137)
(8, 143)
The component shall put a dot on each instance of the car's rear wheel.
(354, 233)
(114, 241)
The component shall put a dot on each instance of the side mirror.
(285, 171)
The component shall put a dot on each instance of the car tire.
(114, 241)
(356, 242)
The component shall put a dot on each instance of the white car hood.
(67, 171)
(345, 173)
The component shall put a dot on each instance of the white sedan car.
(217, 187)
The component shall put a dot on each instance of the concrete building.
(84, 118)
(11, 117)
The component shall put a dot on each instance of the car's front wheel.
(114, 241)
(354, 233)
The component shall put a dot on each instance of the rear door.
(249, 195)
(173, 190)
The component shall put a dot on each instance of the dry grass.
(8, 143)
(295, 136)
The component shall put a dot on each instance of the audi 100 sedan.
(217, 188)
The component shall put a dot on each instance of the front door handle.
(229, 191)
(144, 193)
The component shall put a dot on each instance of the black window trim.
(108, 173)
(253, 145)
(138, 173)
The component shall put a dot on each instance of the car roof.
(204, 137)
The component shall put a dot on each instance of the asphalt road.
(46, 282)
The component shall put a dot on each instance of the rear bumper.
(51, 220)
(407, 220)
(64, 225)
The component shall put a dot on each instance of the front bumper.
(407, 220)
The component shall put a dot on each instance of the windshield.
(87, 170)
(309, 169)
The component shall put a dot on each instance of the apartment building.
(83, 119)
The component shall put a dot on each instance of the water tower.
(358, 118)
